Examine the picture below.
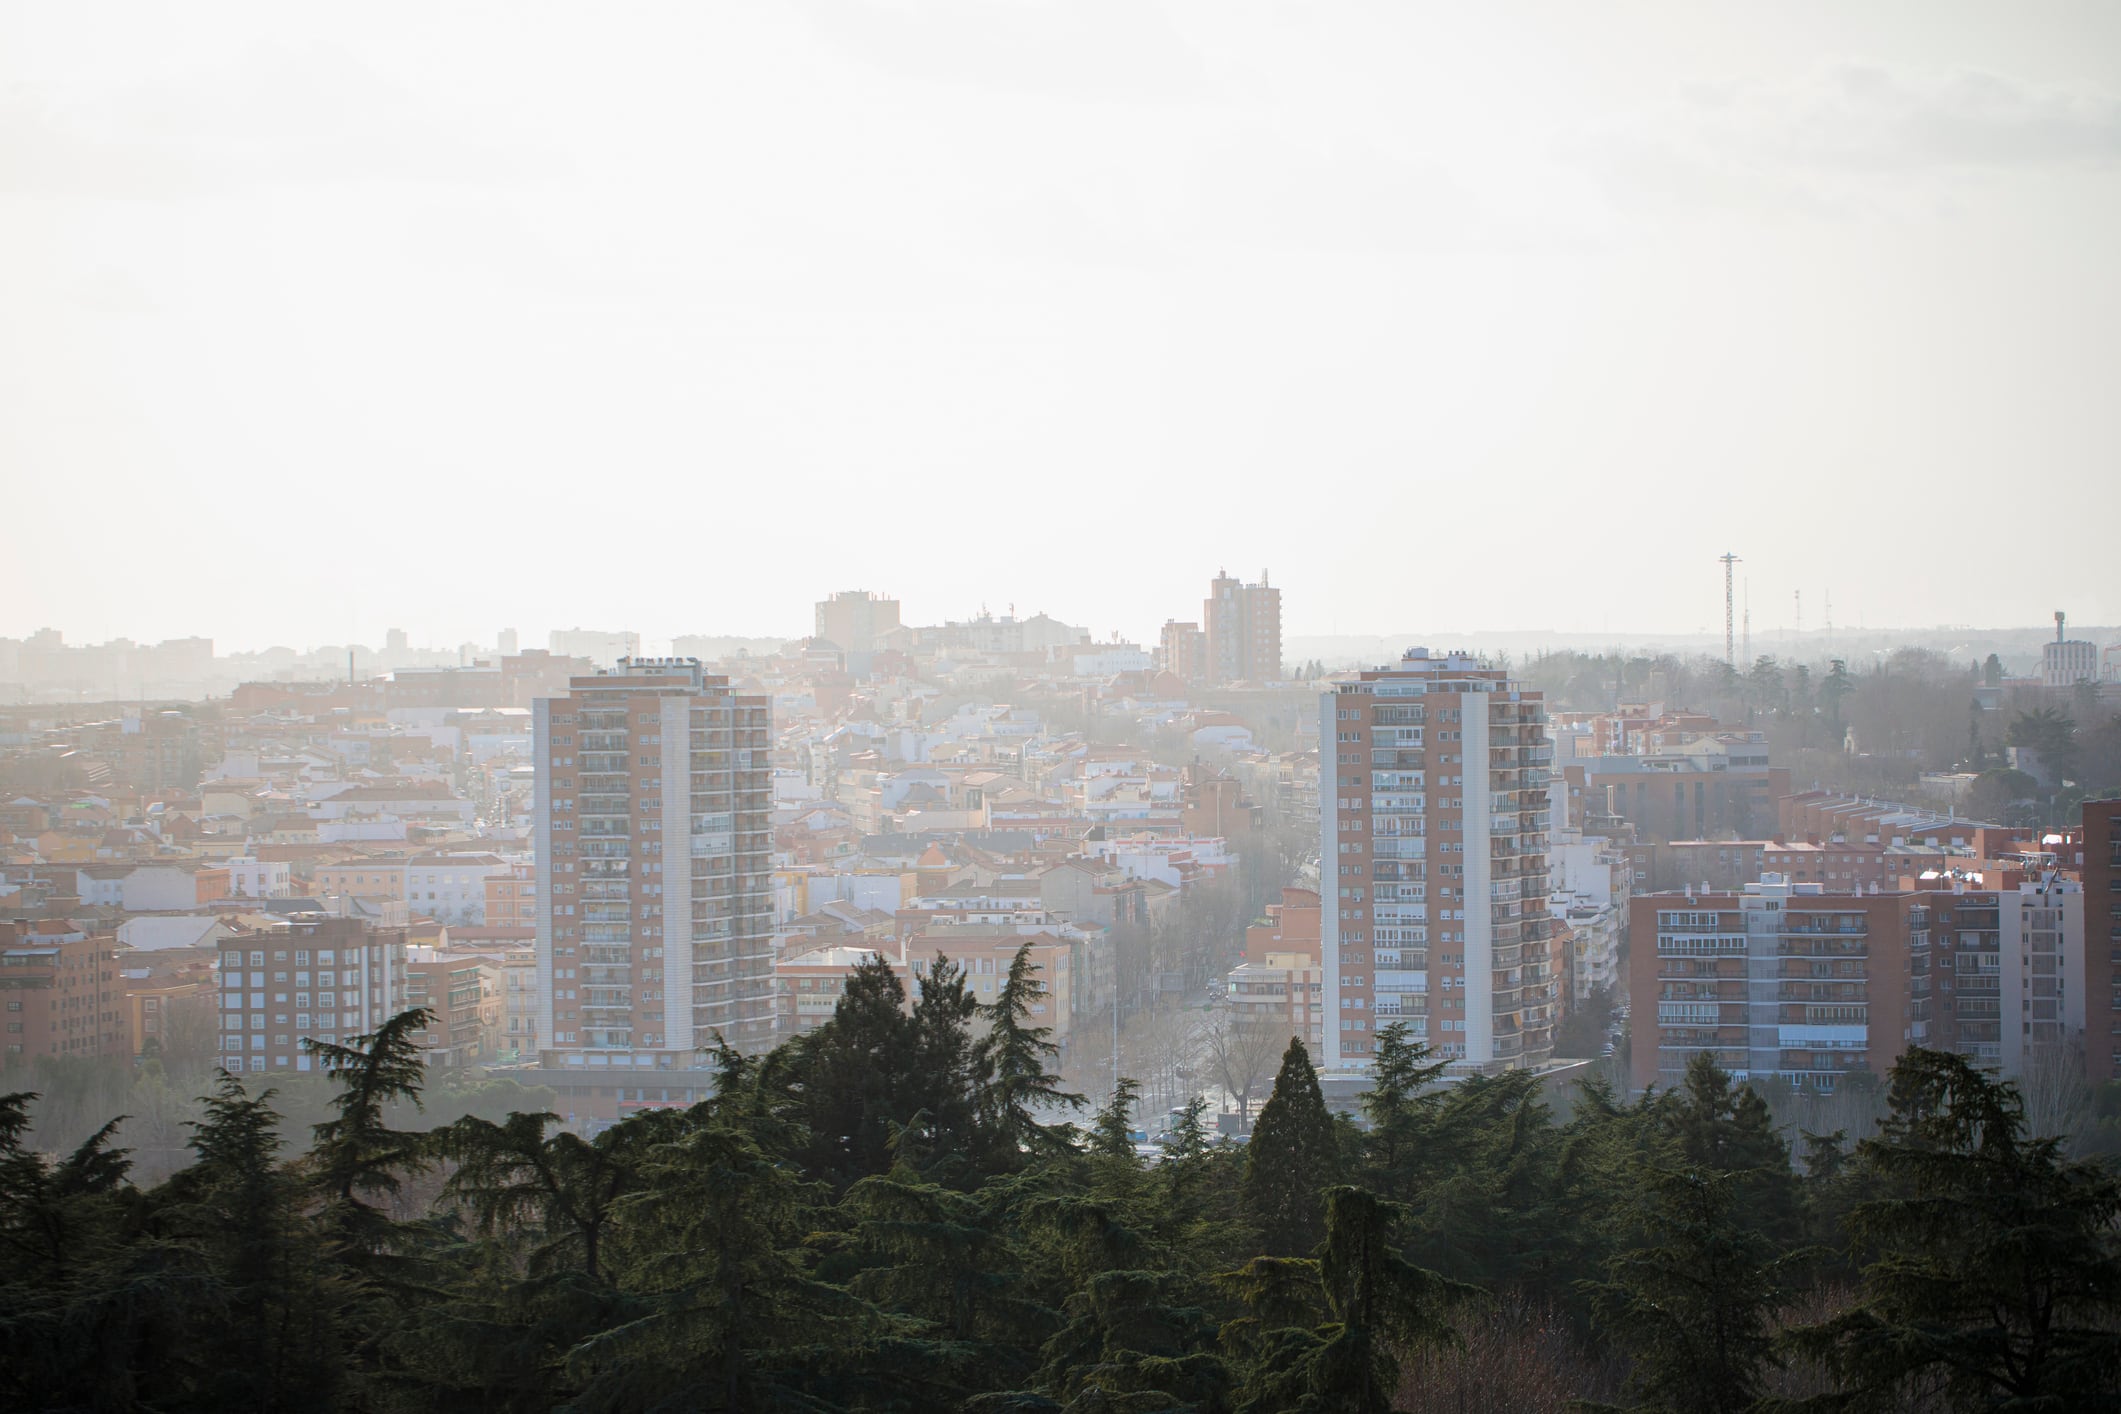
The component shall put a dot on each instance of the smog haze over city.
(1060, 706)
(1008, 303)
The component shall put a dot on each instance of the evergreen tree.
(1112, 1131)
(558, 1189)
(1993, 1271)
(946, 1072)
(1729, 1129)
(80, 1297)
(356, 1155)
(269, 1337)
(1378, 1306)
(1401, 1106)
(712, 1245)
(1188, 1163)
(1489, 1211)
(1137, 1340)
(1693, 1305)
(1013, 1058)
(939, 1259)
(1293, 1156)
(853, 1074)
(1834, 690)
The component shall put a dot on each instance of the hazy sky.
(316, 319)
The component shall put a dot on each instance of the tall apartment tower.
(2102, 939)
(858, 622)
(1183, 650)
(1434, 863)
(653, 826)
(1243, 630)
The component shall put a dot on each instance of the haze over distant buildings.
(1471, 319)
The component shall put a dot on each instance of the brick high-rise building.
(653, 837)
(1433, 805)
(1183, 651)
(2102, 939)
(512, 898)
(2008, 969)
(464, 995)
(61, 992)
(1777, 979)
(1789, 979)
(858, 623)
(327, 978)
(1242, 630)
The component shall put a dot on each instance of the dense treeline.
(904, 1210)
(1875, 727)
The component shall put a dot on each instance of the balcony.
(1822, 947)
(1824, 930)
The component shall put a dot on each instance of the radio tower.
(1730, 620)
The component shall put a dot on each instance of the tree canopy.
(957, 1243)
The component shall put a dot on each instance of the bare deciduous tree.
(1162, 1046)
(1243, 1053)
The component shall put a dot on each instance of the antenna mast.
(1730, 637)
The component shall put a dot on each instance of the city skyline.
(942, 704)
(375, 314)
(1815, 641)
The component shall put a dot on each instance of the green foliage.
(712, 1245)
(1375, 1304)
(1014, 1060)
(356, 1156)
(1401, 1106)
(1293, 1156)
(1720, 1128)
(851, 1075)
(554, 1192)
(730, 1257)
(81, 1293)
(1694, 1305)
(1111, 1132)
(1992, 1272)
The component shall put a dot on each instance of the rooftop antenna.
(1730, 641)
